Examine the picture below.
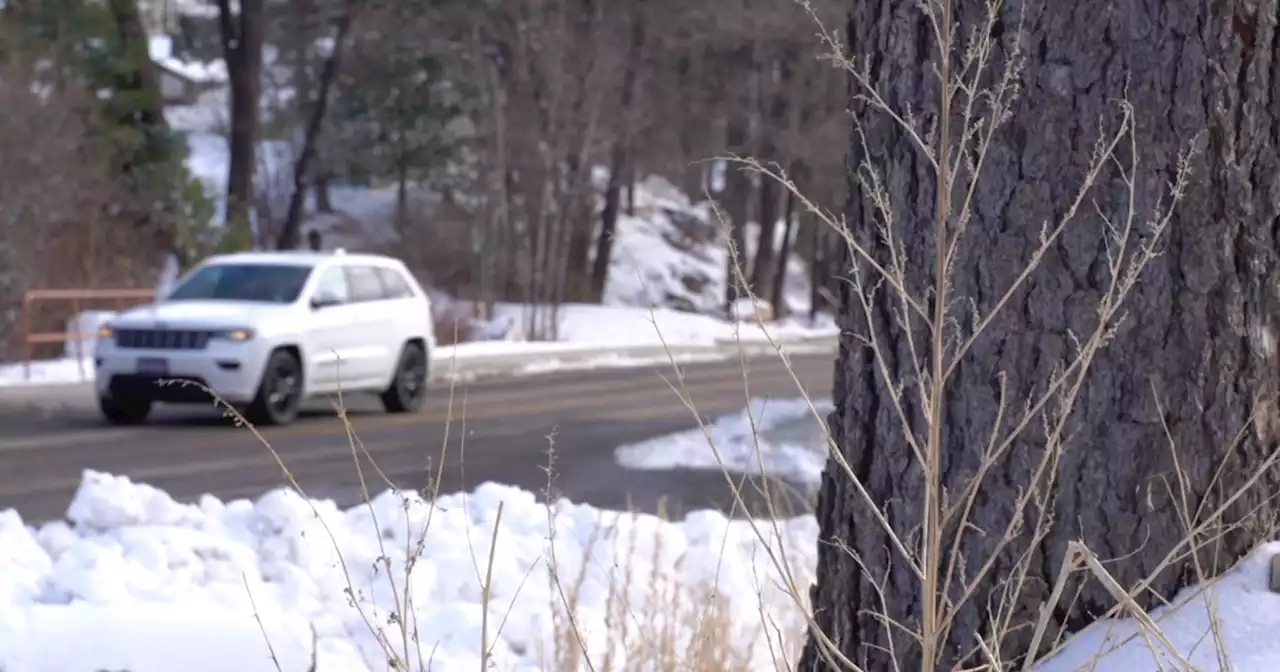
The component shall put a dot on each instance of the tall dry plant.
(657, 617)
(959, 587)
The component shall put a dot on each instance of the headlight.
(105, 331)
(237, 335)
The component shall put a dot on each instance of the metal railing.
(117, 298)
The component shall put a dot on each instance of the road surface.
(506, 430)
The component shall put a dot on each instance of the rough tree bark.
(1200, 331)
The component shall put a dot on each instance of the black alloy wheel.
(279, 393)
(409, 387)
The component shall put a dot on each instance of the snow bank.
(135, 581)
(130, 557)
(150, 637)
(779, 437)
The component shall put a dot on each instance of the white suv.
(266, 330)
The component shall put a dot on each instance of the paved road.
(503, 430)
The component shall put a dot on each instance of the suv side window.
(365, 283)
(333, 284)
(394, 283)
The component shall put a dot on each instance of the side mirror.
(323, 300)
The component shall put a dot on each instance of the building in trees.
(1166, 439)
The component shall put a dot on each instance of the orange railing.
(118, 298)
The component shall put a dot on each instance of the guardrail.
(118, 298)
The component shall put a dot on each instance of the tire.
(279, 392)
(124, 412)
(409, 386)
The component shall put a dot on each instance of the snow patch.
(1238, 610)
(777, 437)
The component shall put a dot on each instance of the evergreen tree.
(103, 47)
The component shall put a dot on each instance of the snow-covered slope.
(674, 253)
(671, 253)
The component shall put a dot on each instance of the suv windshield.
(268, 283)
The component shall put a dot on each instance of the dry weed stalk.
(661, 628)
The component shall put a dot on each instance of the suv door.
(373, 318)
(331, 335)
(412, 317)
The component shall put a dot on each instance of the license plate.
(153, 366)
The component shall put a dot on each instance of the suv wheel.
(124, 411)
(409, 387)
(279, 391)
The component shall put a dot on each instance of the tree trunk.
(304, 22)
(402, 193)
(141, 83)
(824, 265)
(775, 89)
(688, 135)
(575, 253)
(778, 287)
(818, 266)
(290, 233)
(242, 35)
(736, 200)
(762, 262)
(619, 165)
(320, 188)
(608, 222)
(631, 188)
(1195, 356)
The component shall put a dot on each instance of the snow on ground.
(1238, 611)
(628, 325)
(674, 253)
(135, 581)
(47, 372)
(160, 48)
(208, 157)
(159, 582)
(779, 437)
